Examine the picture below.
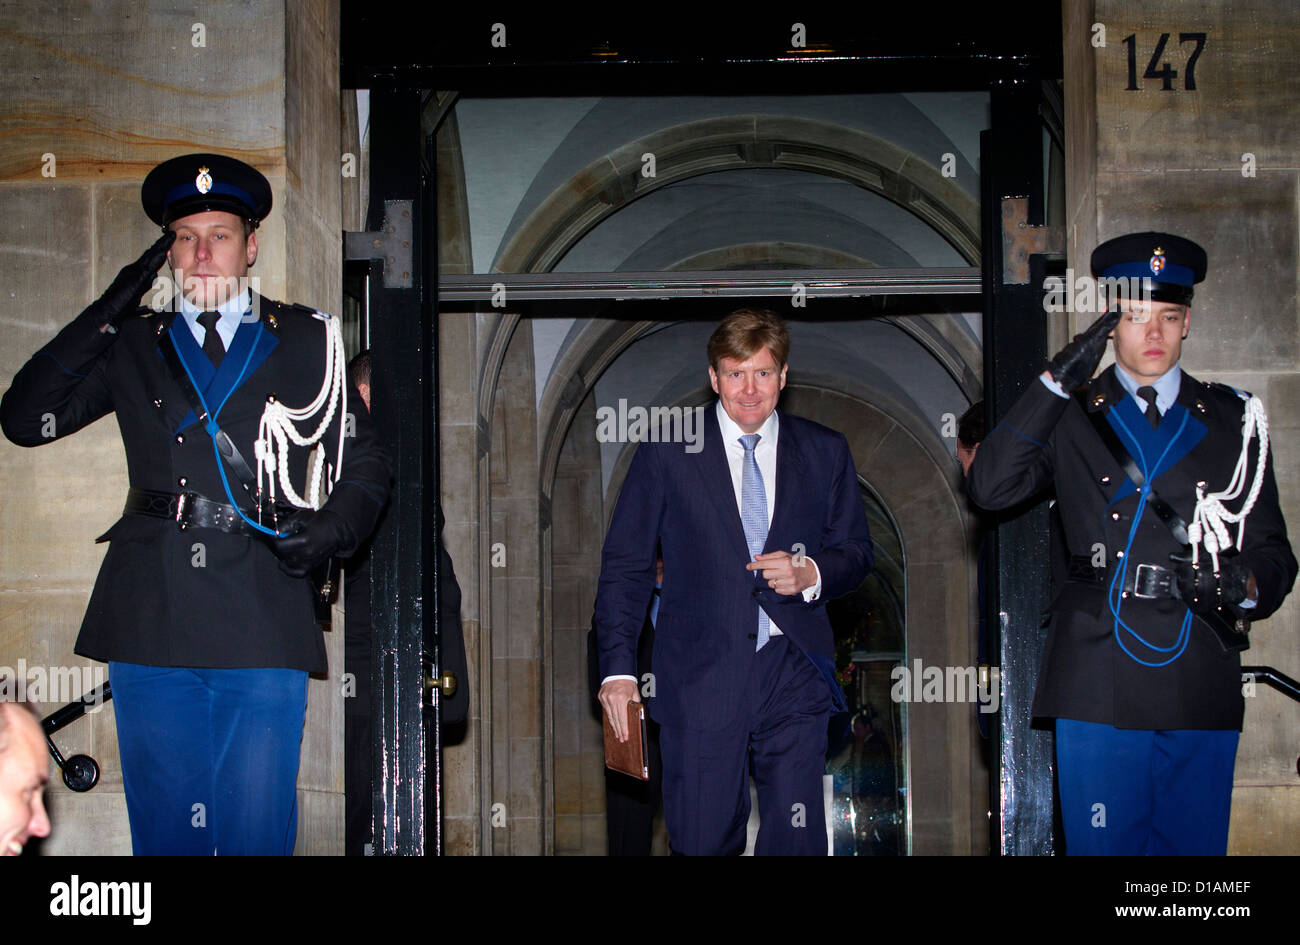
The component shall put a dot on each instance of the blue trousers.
(210, 758)
(1128, 792)
(779, 731)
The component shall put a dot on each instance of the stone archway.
(730, 143)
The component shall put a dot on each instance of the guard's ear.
(251, 248)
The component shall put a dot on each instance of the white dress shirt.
(1167, 386)
(765, 456)
(231, 312)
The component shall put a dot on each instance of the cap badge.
(204, 181)
(1157, 262)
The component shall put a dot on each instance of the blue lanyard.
(212, 430)
(1121, 573)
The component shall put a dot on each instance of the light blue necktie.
(753, 516)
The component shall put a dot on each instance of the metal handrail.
(80, 772)
(1275, 678)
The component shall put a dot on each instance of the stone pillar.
(463, 461)
(576, 536)
(1213, 158)
(96, 95)
(519, 723)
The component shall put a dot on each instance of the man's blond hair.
(746, 332)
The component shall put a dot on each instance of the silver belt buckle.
(1137, 581)
(184, 508)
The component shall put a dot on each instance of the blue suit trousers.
(780, 736)
(210, 758)
(1136, 792)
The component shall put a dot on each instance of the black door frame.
(400, 60)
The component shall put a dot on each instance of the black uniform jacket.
(199, 597)
(1086, 674)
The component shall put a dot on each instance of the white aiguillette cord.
(1211, 518)
(279, 426)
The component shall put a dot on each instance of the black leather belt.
(1146, 581)
(191, 510)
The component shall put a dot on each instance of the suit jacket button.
(157, 402)
(180, 437)
(181, 482)
(1114, 516)
(1105, 480)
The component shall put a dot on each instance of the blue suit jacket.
(684, 503)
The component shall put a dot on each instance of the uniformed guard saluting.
(202, 608)
(1176, 541)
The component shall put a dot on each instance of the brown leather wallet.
(628, 757)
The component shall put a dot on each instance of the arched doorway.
(554, 365)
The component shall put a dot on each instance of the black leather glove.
(1202, 592)
(122, 298)
(1074, 363)
(314, 537)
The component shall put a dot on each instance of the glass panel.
(867, 748)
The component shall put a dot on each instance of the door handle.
(444, 684)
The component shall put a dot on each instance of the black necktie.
(1149, 395)
(212, 345)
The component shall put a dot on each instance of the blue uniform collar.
(250, 346)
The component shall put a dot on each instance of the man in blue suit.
(759, 528)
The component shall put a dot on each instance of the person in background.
(24, 773)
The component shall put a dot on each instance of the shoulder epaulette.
(296, 308)
(1227, 389)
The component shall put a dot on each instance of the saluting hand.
(122, 298)
(1074, 363)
